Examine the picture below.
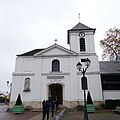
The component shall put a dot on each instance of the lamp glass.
(79, 66)
(87, 62)
(7, 82)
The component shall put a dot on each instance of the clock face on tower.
(81, 34)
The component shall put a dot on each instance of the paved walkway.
(80, 116)
(39, 117)
(91, 116)
(28, 115)
(11, 116)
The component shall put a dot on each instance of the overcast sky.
(29, 24)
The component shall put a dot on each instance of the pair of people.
(46, 108)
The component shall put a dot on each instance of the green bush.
(19, 101)
(89, 99)
(2, 99)
(111, 104)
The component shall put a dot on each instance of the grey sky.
(30, 24)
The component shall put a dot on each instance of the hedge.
(111, 104)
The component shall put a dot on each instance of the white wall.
(111, 94)
(40, 67)
(18, 87)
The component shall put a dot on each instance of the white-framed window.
(55, 65)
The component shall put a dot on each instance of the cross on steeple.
(55, 41)
(79, 17)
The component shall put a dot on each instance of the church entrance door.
(55, 90)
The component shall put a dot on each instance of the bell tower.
(81, 39)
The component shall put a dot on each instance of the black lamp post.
(84, 83)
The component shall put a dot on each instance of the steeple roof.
(81, 26)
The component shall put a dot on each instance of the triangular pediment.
(55, 50)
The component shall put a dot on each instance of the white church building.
(51, 72)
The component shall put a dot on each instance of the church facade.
(51, 72)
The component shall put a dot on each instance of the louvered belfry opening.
(82, 44)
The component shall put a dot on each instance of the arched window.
(27, 85)
(55, 65)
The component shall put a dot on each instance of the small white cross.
(79, 17)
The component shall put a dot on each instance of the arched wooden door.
(55, 90)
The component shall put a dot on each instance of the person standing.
(46, 108)
(43, 107)
(52, 108)
(56, 103)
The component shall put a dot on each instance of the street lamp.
(9, 85)
(84, 83)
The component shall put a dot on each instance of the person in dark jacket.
(46, 109)
(52, 108)
(43, 108)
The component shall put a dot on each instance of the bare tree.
(111, 44)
